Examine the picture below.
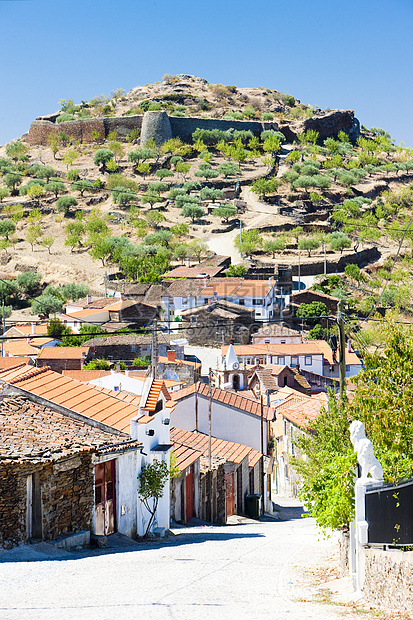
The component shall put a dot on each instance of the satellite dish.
(235, 366)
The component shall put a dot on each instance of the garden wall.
(389, 579)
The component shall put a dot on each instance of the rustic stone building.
(217, 322)
(47, 470)
(63, 358)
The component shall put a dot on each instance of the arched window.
(235, 382)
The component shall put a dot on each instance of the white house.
(261, 295)
(314, 356)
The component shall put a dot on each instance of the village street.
(247, 570)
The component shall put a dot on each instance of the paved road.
(252, 570)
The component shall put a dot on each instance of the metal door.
(105, 498)
(189, 484)
(229, 493)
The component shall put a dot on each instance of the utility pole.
(211, 503)
(325, 258)
(262, 458)
(282, 305)
(4, 329)
(299, 272)
(342, 350)
(240, 230)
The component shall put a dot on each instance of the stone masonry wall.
(67, 491)
(82, 129)
(389, 579)
(183, 127)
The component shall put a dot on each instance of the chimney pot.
(33, 328)
(171, 356)
(89, 299)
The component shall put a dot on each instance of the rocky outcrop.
(328, 125)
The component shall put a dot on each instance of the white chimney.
(33, 328)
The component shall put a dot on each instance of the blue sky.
(350, 55)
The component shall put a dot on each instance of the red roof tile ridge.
(30, 374)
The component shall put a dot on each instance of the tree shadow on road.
(117, 543)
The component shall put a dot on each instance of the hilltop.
(303, 175)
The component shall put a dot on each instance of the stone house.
(175, 369)
(308, 296)
(208, 268)
(144, 419)
(64, 358)
(48, 463)
(125, 347)
(276, 334)
(269, 379)
(217, 322)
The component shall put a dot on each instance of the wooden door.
(105, 498)
(34, 526)
(189, 492)
(229, 493)
(240, 497)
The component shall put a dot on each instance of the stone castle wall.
(183, 127)
(82, 129)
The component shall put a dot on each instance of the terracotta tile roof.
(41, 342)
(295, 297)
(82, 314)
(65, 353)
(235, 400)
(120, 339)
(120, 305)
(165, 360)
(182, 288)
(101, 302)
(303, 411)
(10, 362)
(236, 287)
(309, 347)
(324, 347)
(79, 397)
(196, 271)
(85, 375)
(33, 432)
(276, 330)
(185, 456)
(229, 450)
(16, 348)
(127, 397)
(38, 329)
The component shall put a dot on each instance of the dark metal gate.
(389, 513)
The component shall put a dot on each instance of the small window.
(241, 302)
(347, 368)
(134, 348)
(184, 300)
(220, 322)
(283, 342)
(193, 319)
(257, 302)
(308, 360)
(267, 341)
(294, 360)
(281, 360)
